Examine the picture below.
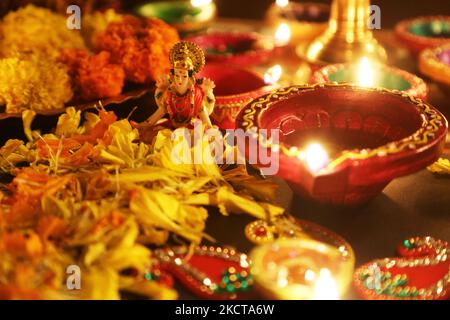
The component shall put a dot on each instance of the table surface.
(416, 205)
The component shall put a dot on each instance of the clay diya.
(185, 16)
(422, 272)
(380, 76)
(218, 273)
(305, 20)
(424, 32)
(301, 269)
(343, 144)
(240, 48)
(435, 64)
(235, 87)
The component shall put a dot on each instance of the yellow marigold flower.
(36, 30)
(33, 82)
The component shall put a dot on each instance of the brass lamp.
(348, 37)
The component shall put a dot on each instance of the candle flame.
(283, 35)
(316, 157)
(273, 75)
(365, 73)
(310, 275)
(326, 287)
(200, 3)
(282, 3)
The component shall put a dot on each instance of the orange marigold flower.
(141, 46)
(94, 76)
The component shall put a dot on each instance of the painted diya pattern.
(422, 272)
(208, 272)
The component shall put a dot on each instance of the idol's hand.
(163, 82)
(207, 85)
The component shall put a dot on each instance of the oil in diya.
(371, 74)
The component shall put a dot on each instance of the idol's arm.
(154, 118)
(209, 101)
(204, 116)
(160, 98)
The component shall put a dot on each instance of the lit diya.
(305, 20)
(435, 64)
(241, 48)
(185, 16)
(367, 74)
(235, 87)
(343, 144)
(301, 269)
(424, 32)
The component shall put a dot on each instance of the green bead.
(408, 245)
(363, 276)
(403, 282)
(230, 288)
(402, 294)
(386, 276)
(148, 276)
(387, 291)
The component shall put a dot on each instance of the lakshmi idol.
(180, 95)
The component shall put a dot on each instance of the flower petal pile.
(94, 196)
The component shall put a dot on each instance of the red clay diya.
(435, 64)
(305, 20)
(209, 272)
(424, 32)
(343, 144)
(241, 48)
(422, 272)
(383, 76)
(235, 87)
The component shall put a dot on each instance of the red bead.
(261, 231)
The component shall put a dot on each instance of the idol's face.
(181, 80)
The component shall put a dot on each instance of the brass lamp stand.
(348, 37)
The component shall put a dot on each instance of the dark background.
(392, 10)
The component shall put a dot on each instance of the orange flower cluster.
(140, 46)
(94, 77)
(79, 149)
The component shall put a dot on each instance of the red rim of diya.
(352, 176)
(415, 42)
(418, 89)
(235, 87)
(265, 47)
